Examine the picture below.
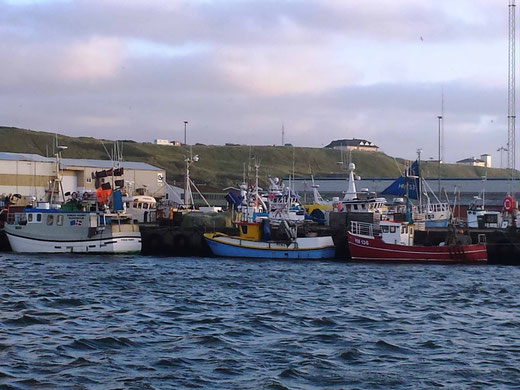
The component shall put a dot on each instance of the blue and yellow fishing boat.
(254, 241)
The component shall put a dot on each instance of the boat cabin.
(397, 232)
(255, 231)
(142, 208)
(374, 205)
(485, 219)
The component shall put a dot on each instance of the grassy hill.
(222, 166)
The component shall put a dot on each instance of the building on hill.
(353, 144)
(30, 174)
(483, 161)
(166, 142)
(162, 142)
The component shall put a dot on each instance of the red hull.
(363, 248)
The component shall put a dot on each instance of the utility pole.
(185, 124)
(439, 117)
(283, 135)
(511, 98)
(442, 129)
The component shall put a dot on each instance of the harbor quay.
(184, 236)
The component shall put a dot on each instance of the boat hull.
(115, 244)
(442, 223)
(305, 248)
(366, 248)
(56, 231)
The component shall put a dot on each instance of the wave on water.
(144, 322)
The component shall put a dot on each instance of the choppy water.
(144, 323)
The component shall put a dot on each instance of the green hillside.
(222, 166)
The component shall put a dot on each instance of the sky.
(237, 70)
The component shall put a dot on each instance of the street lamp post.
(440, 127)
(185, 123)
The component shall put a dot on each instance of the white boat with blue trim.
(40, 230)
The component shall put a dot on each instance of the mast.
(511, 98)
(439, 117)
(351, 193)
(419, 180)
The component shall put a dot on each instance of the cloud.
(238, 69)
(97, 58)
(289, 70)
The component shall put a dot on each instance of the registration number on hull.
(361, 242)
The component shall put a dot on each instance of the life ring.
(508, 203)
(339, 207)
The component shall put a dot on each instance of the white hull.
(108, 245)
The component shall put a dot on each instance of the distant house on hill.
(483, 161)
(166, 142)
(353, 144)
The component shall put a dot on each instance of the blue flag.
(410, 180)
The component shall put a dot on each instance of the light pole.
(439, 117)
(185, 123)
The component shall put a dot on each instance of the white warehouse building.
(31, 174)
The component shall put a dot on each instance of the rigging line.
(106, 150)
(397, 165)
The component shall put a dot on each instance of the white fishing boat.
(355, 201)
(80, 225)
(412, 186)
(142, 208)
(478, 216)
(41, 230)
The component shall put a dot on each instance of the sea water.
(96, 322)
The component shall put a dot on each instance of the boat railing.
(362, 228)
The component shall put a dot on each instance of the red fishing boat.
(394, 244)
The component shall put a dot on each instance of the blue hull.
(225, 250)
(435, 224)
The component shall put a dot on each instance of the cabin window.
(384, 229)
(59, 220)
(411, 230)
(402, 229)
(392, 229)
(50, 219)
(139, 205)
(355, 207)
(29, 217)
(21, 219)
(127, 205)
(38, 217)
(135, 205)
(244, 229)
(491, 218)
(145, 205)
